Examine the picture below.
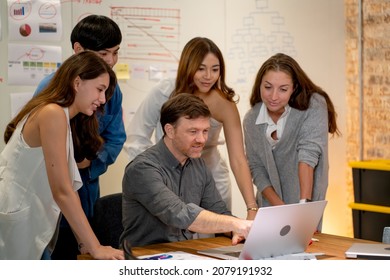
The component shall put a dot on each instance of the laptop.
(277, 231)
(375, 251)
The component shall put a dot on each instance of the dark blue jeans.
(67, 247)
(46, 255)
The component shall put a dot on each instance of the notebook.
(369, 251)
(276, 231)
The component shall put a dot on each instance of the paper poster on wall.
(34, 20)
(29, 64)
(157, 32)
(18, 100)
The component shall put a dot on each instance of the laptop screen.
(277, 231)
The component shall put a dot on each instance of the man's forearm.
(210, 222)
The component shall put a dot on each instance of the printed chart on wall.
(151, 40)
(150, 44)
(38, 20)
(255, 31)
(30, 21)
(28, 65)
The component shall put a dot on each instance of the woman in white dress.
(38, 171)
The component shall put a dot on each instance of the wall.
(367, 81)
(372, 108)
(248, 32)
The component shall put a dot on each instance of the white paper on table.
(176, 255)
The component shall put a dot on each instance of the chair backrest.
(107, 219)
(386, 235)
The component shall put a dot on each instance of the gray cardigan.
(304, 139)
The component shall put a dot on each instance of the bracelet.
(253, 204)
(252, 209)
(80, 246)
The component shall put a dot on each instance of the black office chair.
(386, 235)
(107, 219)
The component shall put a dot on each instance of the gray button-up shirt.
(162, 198)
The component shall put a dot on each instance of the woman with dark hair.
(101, 35)
(286, 134)
(38, 172)
(201, 71)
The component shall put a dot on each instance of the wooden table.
(332, 246)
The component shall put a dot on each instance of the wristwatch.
(304, 200)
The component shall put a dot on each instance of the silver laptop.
(276, 231)
(369, 251)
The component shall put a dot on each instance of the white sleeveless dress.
(216, 163)
(28, 212)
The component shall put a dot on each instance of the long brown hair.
(85, 129)
(304, 88)
(191, 58)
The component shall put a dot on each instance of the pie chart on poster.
(25, 30)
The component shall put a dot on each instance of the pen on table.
(159, 257)
(313, 240)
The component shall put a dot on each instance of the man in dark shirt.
(168, 192)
